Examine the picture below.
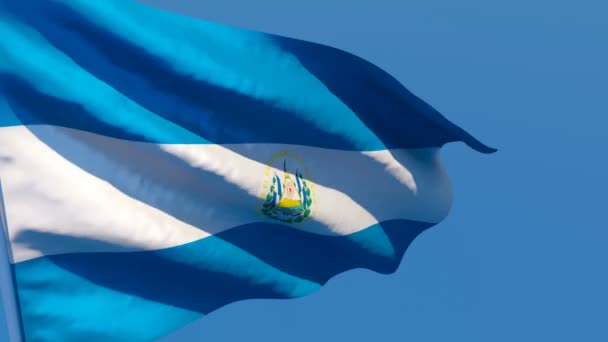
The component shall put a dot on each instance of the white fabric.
(70, 191)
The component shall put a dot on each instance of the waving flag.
(155, 167)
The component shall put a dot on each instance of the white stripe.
(71, 191)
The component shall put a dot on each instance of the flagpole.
(7, 283)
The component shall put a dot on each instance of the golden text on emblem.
(287, 195)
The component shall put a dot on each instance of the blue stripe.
(138, 73)
(143, 295)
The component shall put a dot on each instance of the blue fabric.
(129, 71)
(124, 70)
(139, 296)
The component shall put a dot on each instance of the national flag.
(156, 167)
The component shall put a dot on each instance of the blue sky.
(523, 255)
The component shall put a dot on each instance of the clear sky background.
(523, 255)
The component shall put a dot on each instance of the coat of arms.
(288, 197)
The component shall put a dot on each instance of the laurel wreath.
(268, 207)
